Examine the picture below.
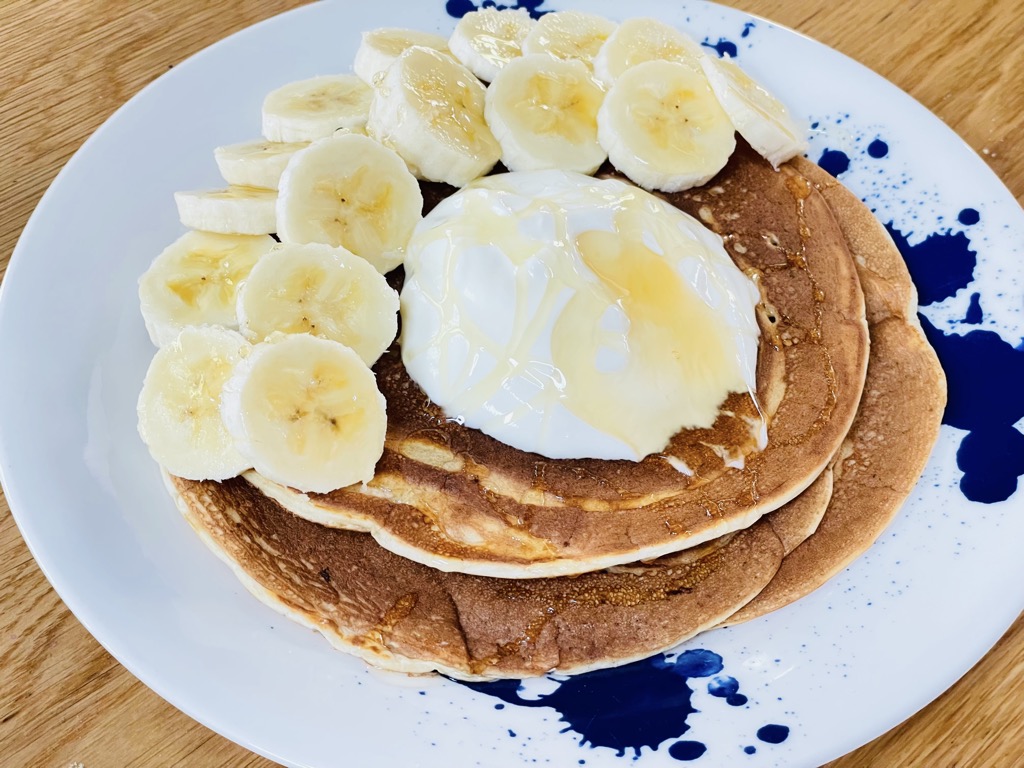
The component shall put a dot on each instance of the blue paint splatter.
(746, 28)
(981, 370)
(687, 750)
(459, 8)
(723, 686)
(723, 47)
(941, 264)
(637, 705)
(834, 161)
(727, 688)
(974, 314)
(991, 458)
(773, 734)
(878, 149)
(750, 750)
(968, 216)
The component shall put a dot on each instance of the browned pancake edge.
(404, 616)
(455, 499)
(897, 424)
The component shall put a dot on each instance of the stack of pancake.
(468, 557)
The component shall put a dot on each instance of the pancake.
(457, 500)
(404, 616)
(798, 520)
(898, 422)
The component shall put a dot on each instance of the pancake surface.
(456, 499)
(407, 617)
(403, 616)
(896, 426)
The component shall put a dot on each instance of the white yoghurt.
(574, 317)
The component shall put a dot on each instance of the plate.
(798, 687)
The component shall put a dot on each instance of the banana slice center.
(559, 104)
(214, 279)
(670, 120)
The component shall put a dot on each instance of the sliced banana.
(350, 191)
(307, 413)
(430, 110)
(323, 291)
(313, 109)
(257, 163)
(179, 406)
(543, 112)
(663, 127)
(759, 117)
(230, 211)
(569, 35)
(488, 39)
(195, 280)
(641, 39)
(380, 47)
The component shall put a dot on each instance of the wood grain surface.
(66, 65)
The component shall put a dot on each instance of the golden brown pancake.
(404, 616)
(455, 499)
(897, 424)
(797, 520)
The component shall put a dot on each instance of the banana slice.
(430, 110)
(543, 112)
(380, 47)
(195, 280)
(663, 127)
(323, 291)
(258, 163)
(352, 192)
(230, 211)
(313, 109)
(759, 117)
(569, 35)
(488, 39)
(641, 39)
(179, 406)
(307, 413)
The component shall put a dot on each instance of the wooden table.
(66, 65)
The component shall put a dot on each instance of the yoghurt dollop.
(574, 317)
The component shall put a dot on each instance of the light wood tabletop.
(66, 65)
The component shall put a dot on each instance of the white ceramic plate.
(835, 670)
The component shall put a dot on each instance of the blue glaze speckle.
(723, 47)
(941, 264)
(459, 8)
(746, 28)
(638, 705)
(968, 217)
(750, 750)
(991, 459)
(687, 750)
(773, 733)
(974, 314)
(727, 688)
(981, 369)
(878, 149)
(834, 161)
